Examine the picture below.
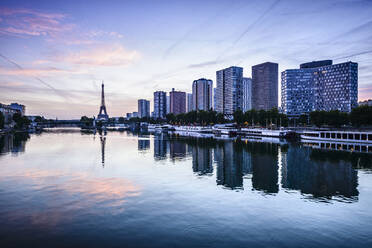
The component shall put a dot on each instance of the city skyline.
(54, 55)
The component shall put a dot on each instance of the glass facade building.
(328, 87)
(189, 102)
(202, 94)
(247, 94)
(143, 108)
(229, 95)
(160, 104)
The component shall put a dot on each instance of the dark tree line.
(360, 116)
(21, 122)
(196, 117)
(2, 120)
(261, 118)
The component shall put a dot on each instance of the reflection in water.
(103, 144)
(143, 144)
(265, 167)
(177, 149)
(160, 146)
(313, 172)
(202, 158)
(321, 174)
(229, 165)
(13, 143)
(320, 178)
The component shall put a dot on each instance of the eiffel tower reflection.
(103, 144)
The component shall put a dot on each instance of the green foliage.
(261, 118)
(196, 117)
(361, 116)
(86, 121)
(358, 117)
(39, 119)
(22, 122)
(2, 120)
(332, 118)
(239, 117)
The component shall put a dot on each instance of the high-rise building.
(202, 94)
(168, 104)
(247, 94)
(319, 85)
(160, 104)
(177, 102)
(143, 108)
(189, 102)
(214, 98)
(229, 90)
(265, 86)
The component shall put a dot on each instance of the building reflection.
(202, 158)
(264, 159)
(160, 146)
(143, 144)
(313, 172)
(229, 165)
(177, 149)
(301, 168)
(13, 143)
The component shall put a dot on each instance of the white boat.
(339, 146)
(225, 130)
(193, 131)
(338, 136)
(265, 132)
(118, 127)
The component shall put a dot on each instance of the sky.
(55, 54)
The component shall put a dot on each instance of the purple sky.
(54, 54)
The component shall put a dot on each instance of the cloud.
(29, 22)
(32, 72)
(354, 55)
(54, 27)
(204, 64)
(365, 92)
(108, 55)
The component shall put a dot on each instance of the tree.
(361, 115)
(2, 120)
(239, 117)
(21, 121)
(303, 119)
(220, 118)
(39, 119)
(86, 121)
(171, 117)
(317, 118)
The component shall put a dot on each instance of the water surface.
(65, 188)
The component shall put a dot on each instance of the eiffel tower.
(103, 116)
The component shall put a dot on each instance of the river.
(63, 188)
